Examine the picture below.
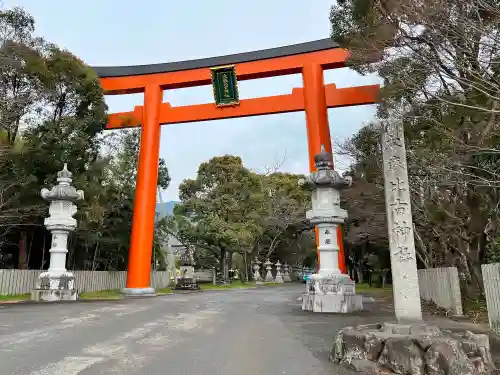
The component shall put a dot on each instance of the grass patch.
(475, 309)
(164, 290)
(237, 284)
(233, 285)
(15, 297)
(366, 288)
(103, 294)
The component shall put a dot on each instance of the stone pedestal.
(57, 283)
(335, 294)
(328, 290)
(279, 277)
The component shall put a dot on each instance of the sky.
(126, 32)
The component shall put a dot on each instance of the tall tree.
(439, 62)
(220, 209)
(52, 111)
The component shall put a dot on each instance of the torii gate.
(310, 59)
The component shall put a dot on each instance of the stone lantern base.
(51, 288)
(331, 294)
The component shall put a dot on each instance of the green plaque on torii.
(225, 86)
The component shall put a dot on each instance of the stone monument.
(279, 277)
(57, 283)
(328, 290)
(256, 269)
(409, 346)
(400, 225)
(269, 276)
(187, 280)
(286, 273)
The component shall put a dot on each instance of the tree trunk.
(359, 272)
(229, 264)
(477, 279)
(246, 266)
(23, 253)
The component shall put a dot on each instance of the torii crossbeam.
(309, 59)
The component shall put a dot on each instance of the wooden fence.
(441, 286)
(491, 279)
(23, 281)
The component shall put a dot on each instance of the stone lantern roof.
(325, 175)
(63, 191)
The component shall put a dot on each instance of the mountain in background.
(166, 208)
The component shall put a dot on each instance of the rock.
(469, 347)
(401, 329)
(365, 366)
(373, 347)
(425, 330)
(480, 339)
(446, 358)
(483, 351)
(413, 349)
(402, 356)
(337, 353)
(353, 345)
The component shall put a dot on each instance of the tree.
(365, 231)
(52, 111)
(439, 62)
(229, 209)
(22, 68)
(220, 209)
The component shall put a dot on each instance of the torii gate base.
(309, 59)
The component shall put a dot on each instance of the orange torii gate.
(223, 72)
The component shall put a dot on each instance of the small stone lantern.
(286, 273)
(279, 277)
(57, 283)
(269, 276)
(256, 269)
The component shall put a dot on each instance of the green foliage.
(438, 62)
(59, 102)
(229, 209)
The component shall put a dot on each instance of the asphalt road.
(243, 332)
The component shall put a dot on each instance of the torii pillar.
(318, 132)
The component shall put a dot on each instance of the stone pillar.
(286, 276)
(279, 276)
(328, 290)
(256, 268)
(269, 275)
(400, 225)
(57, 283)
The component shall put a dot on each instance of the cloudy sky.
(127, 32)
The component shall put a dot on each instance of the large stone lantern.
(328, 290)
(57, 283)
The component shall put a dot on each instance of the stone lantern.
(57, 283)
(328, 290)
(286, 273)
(256, 269)
(279, 276)
(269, 276)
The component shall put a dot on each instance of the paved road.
(244, 332)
